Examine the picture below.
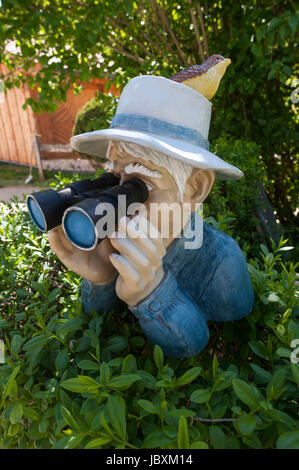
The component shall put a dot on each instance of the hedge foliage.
(69, 381)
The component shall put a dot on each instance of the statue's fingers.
(144, 244)
(129, 249)
(143, 224)
(127, 271)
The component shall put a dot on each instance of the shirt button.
(155, 306)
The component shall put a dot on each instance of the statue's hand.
(139, 263)
(93, 265)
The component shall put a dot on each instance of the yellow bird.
(204, 78)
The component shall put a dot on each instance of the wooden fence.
(19, 128)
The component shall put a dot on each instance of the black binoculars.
(81, 205)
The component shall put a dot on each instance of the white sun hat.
(164, 115)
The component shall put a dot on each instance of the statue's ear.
(199, 185)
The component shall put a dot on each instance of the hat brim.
(95, 144)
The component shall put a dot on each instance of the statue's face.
(162, 186)
(162, 189)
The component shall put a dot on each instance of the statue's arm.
(172, 320)
(101, 298)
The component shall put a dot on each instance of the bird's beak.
(221, 67)
(226, 62)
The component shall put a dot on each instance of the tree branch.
(126, 53)
(210, 420)
(165, 21)
(113, 23)
(196, 31)
(198, 7)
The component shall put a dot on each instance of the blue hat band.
(158, 126)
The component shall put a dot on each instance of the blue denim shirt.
(210, 283)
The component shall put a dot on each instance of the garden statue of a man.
(174, 271)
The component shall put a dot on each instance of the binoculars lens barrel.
(46, 208)
(80, 221)
(79, 229)
(36, 213)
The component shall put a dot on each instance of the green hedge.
(69, 381)
(96, 114)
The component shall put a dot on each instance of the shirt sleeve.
(101, 298)
(172, 320)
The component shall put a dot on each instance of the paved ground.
(6, 194)
(68, 165)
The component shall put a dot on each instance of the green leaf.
(69, 442)
(36, 343)
(183, 435)
(274, 22)
(288, 440)
(61, 360)
(252, 441)
(39, 287)
(200, 396)
(214, 366)
(98, 443)
(148, 406)
(199, 445)
(158, 357)
(293, 22)
(129, 364)
(53, 295)
(259, 349)
(10, 383)
(276, 384)
(116, 410)
(16, 412)
(280, 416)
(87, 364)
(256, 50)
(188, 376)
(123, 382)
(295, 372)
(261, 375)
(68, 418)
(283, 31)
(16, 343)
(224, 380)
(105, 373)
(217, 437)
(245, 393)
(31, 414)
(69, 326)
(180, 412)
(156, 440)
(246, 423)
(81, 384)
(148, 380)
(116, 344)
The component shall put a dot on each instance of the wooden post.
(36, 147)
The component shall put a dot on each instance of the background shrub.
(96, 113)
(69, 381)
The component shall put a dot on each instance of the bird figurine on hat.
(204, 78)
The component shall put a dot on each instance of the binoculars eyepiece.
(80, 206)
